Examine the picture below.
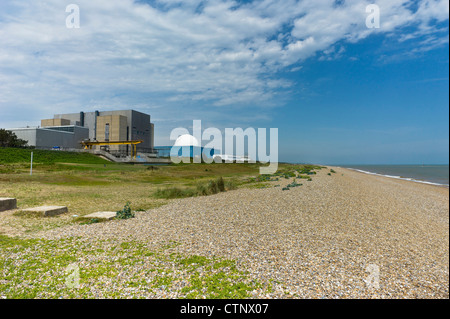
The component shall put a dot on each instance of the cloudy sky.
(338, 91)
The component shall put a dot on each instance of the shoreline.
(317, 240)
(409, 179)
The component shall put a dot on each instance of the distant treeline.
(10, 139)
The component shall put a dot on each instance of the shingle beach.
(348, 235)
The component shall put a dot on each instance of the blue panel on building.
(184, 151)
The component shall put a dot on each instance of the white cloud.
(219, 52)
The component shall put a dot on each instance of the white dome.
(186, 140)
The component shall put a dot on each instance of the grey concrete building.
(124, 125)
(64, 137)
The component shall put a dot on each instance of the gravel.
(348, 235)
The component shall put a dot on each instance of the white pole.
(31, 167)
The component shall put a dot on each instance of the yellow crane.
(88, 145)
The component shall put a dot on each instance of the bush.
(202, 190)
(221, 184)
(294, 184)
(213, 188)
(230, 185)
(175, 192)
(210, 188)
(125, 213)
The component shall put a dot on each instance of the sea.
(429, 174)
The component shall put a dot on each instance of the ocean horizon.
(437, 174)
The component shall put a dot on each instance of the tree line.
(10, 139)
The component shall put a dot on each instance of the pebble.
(344, 236)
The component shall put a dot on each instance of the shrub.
(202, 189)
(212, 187)
(175, 192)
(294, 184)
(125, 213)
(221, 184)
(230, 185)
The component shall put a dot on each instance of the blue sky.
(338, 92)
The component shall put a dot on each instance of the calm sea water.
(435, 174)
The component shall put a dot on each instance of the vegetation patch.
(85, 183)
(21, 155)
(294, 184)
(39, 268)
(210, 187)
(125, 213)
(287, 171)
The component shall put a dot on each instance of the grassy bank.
(86, 184)
(32, 268)
(19, 155)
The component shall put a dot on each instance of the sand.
(348, 235)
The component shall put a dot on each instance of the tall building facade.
(125, 125)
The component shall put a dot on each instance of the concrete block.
(101, 215)
(47, 210)
(7, 204)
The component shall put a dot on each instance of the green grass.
(86, 187)
(36, 268)
(86, 184)
(18, 155)
(39, 269)
(204, 188)
(32, 268)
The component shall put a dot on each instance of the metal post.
(31, 166)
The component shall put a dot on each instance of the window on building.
(107, 132)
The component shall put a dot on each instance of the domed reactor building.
(186, 146)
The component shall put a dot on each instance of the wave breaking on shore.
(399, 177)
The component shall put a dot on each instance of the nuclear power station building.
(68, 131)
